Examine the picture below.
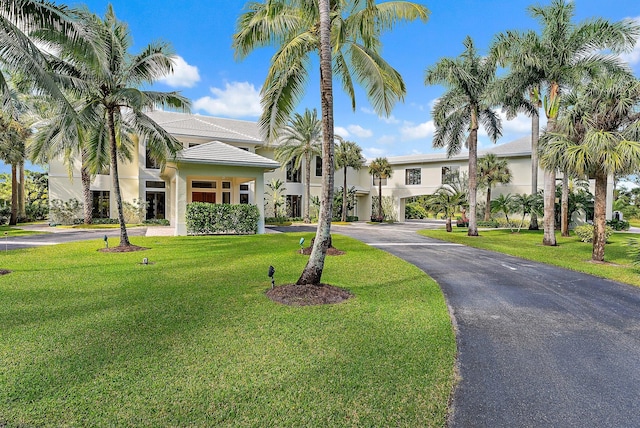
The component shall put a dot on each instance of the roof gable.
(219, 153)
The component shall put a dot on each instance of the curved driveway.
(539, 346)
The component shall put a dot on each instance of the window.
(203, 184)
(150, 162)
(155, 205)
(100, 204)
(155, 184)
(294, 203)
(293, 175)
(376, 180)
(412, 176)
(226, 185)
(226, 197)
(244, 198)
(244, 187)
(450, 174)
(318, 166)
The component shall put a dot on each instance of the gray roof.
(194, 125)
(519, 147)
(218, 153)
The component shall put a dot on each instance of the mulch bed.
(4, 271)
(307, 295)
(122, 249)
(331, 251)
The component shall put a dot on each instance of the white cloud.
(417, 106)
(339, 130)
(423, 130)
(391, 120)
(373, 152)
(387, 139)
(359, 131)
(183, 76)
(633, 57)
(237, 99)
(519, 124)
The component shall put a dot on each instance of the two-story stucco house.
(227, 161)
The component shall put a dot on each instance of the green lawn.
(13, 231)
(570, 253)
(97, 339)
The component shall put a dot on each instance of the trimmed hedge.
(586, 232)
(208, 219)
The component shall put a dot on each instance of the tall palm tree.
(13, 135)
(20, 19)
(465, 106)
(300, 141)
(599, 136)
(520, 91)
(491, 171)
(381, 169)
(348, 155)
(563, 53)
(107, 87)
(346, 34)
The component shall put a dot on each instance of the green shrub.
(618, 225)
(414, 210)
(157, 221)
(104, 221)
(490, 223)
(585, 232)
(207, 219)
(634, 251)
(136, 212)
(65, 212)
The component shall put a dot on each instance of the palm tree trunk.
(13, 220)
(549, 237)
(380, 213)
(564, 206)
(599, 216)
(307, 187)
(22, 213)
(535, 137)
(487, 210)
(87, 199)
(124, 237)
(448, 225)
(312, 273)
(344, 196)
(473, 173)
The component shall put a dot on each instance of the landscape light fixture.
(106, 241)
(145, 261)
(301, 242)
(272, 272)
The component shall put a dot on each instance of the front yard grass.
(570, 253)
(15, 231)
(98, 339)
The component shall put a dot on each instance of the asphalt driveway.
(539, 346)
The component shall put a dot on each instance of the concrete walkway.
(539, 346)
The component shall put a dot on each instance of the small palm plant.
(505, 204)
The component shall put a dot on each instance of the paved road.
(539, 346)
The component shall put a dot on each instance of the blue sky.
(219, 85)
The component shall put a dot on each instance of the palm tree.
(447, 199)
(276, 186)
(465, 106)
(520, 91)
(504, 203)
(12, 151)
(381, 169)
(563, 53)
(525, 204)
(491, 171)
(346, 34)
(107, 87)
(348, 155)
(300, 140)
(599, 136)
(20, 20)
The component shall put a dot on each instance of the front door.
(203, 197)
